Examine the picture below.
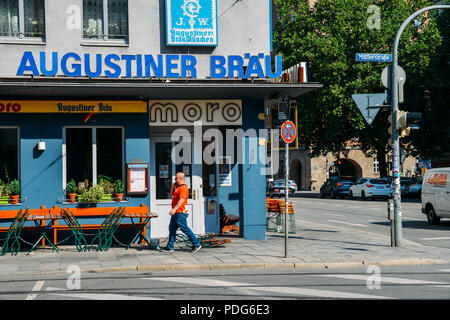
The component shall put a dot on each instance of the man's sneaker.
(165, 249)
(196, 248)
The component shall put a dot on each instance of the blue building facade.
(120, 93)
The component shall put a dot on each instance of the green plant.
(5, 190)
(15, 187)
(118, 186)
(94, 194)
(107, 183)
(71, 187)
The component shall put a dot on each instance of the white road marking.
(413, 219)
(383, 279)
(438, 238)
(319, 293)
(96, 296)
(444, 270)
(333, 214)
(201, 282)
(284, 290)
(351, 224)
(37, 287)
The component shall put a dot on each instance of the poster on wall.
(164, 171)
(191, 22)
(225, 172)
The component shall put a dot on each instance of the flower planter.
(14, 199)
(107, 197)
(119, 197)
(72, 197)
(4, 200)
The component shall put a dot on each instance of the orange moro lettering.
(10, 107)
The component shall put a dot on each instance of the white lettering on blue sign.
(191, 22)
(374, 57)
(146, 66)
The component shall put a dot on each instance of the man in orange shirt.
(179, 213)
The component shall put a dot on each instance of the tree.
(328, 36)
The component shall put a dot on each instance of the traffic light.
(403, 122)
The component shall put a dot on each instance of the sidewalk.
(313, 246)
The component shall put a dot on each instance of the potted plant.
(71, 190)
(4, 192)
(14, 186)
(118, 190)
(108, 186)
(94, 194)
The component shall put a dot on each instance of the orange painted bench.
(132, 212)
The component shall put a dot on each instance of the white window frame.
(376, 165)
(106, 40)
(22, 39)
(94, 151)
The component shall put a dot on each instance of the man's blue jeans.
(179, 220)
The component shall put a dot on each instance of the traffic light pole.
(398, 233)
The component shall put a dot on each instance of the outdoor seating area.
(46, 220)
(275, 212)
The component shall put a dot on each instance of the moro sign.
(186, 112)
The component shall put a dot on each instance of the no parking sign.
(288, 132)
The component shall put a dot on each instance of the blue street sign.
(374, 57)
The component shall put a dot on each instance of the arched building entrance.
(351, 168)
(295, 172)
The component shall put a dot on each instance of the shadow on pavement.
(444, 225)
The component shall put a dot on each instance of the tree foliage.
(328, 36)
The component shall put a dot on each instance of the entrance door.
(162, 175)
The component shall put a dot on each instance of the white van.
(436, 194)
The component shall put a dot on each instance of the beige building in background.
(310, 173)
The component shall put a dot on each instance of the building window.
(9, 157)
(93, 152)
(22, 18)
(105, 19)
(376, 166)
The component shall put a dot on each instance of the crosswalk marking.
(276, 289)
(37, 287)
(95, 296)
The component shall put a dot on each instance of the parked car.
(336, 186)
(414, 190)
(277, 188)
(436, 194)
(405, 182)
(371, 188)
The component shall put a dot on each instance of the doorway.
(167, 158)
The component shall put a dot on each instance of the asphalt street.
(371, 282)
(370, 216)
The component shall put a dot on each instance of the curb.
(243, 266)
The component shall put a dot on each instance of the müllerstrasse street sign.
(374, 57)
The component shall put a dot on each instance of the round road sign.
(288, 131)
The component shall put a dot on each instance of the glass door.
(163, 169)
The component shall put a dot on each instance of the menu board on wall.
(137, 178)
